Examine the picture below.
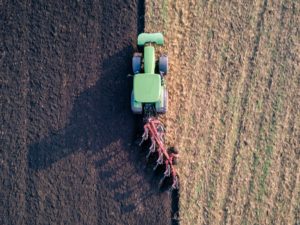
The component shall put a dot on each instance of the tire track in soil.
(288, 185)
(288, 169)
(267, 97)
(215, 134)
(294, 196)
(266, 104)
(218, 174)
(81, 167)
(244, 100)
(246, 207)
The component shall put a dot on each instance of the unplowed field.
(66, 126)
(234, 110)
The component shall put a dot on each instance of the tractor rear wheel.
(163, 64)
(136, 63)
(163, 107)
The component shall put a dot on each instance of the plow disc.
(154, 131)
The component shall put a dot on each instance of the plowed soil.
(234, 107)
(66, 127)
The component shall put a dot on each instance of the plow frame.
(157, 145)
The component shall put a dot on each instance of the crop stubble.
(234, 107)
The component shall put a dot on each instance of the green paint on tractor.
(149, 59)
(149, 88)
(156, 38)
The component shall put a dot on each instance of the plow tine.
(161, 181)
(160, 136)
(155, 167)
(142, 141)
(167, 171)
(160, 132)
(144, 136)
(152, 148)
(159, 161)
(175, 185)
(153, 145)
(148, 155)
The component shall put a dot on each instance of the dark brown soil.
(66, 153)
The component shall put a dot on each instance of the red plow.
(154, 131)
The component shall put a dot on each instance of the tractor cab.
(147, 87)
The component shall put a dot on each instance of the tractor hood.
(144, 38)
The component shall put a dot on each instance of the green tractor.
(149, 95)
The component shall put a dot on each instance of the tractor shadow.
(102, 124)
(102, 127)
(100, 116)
